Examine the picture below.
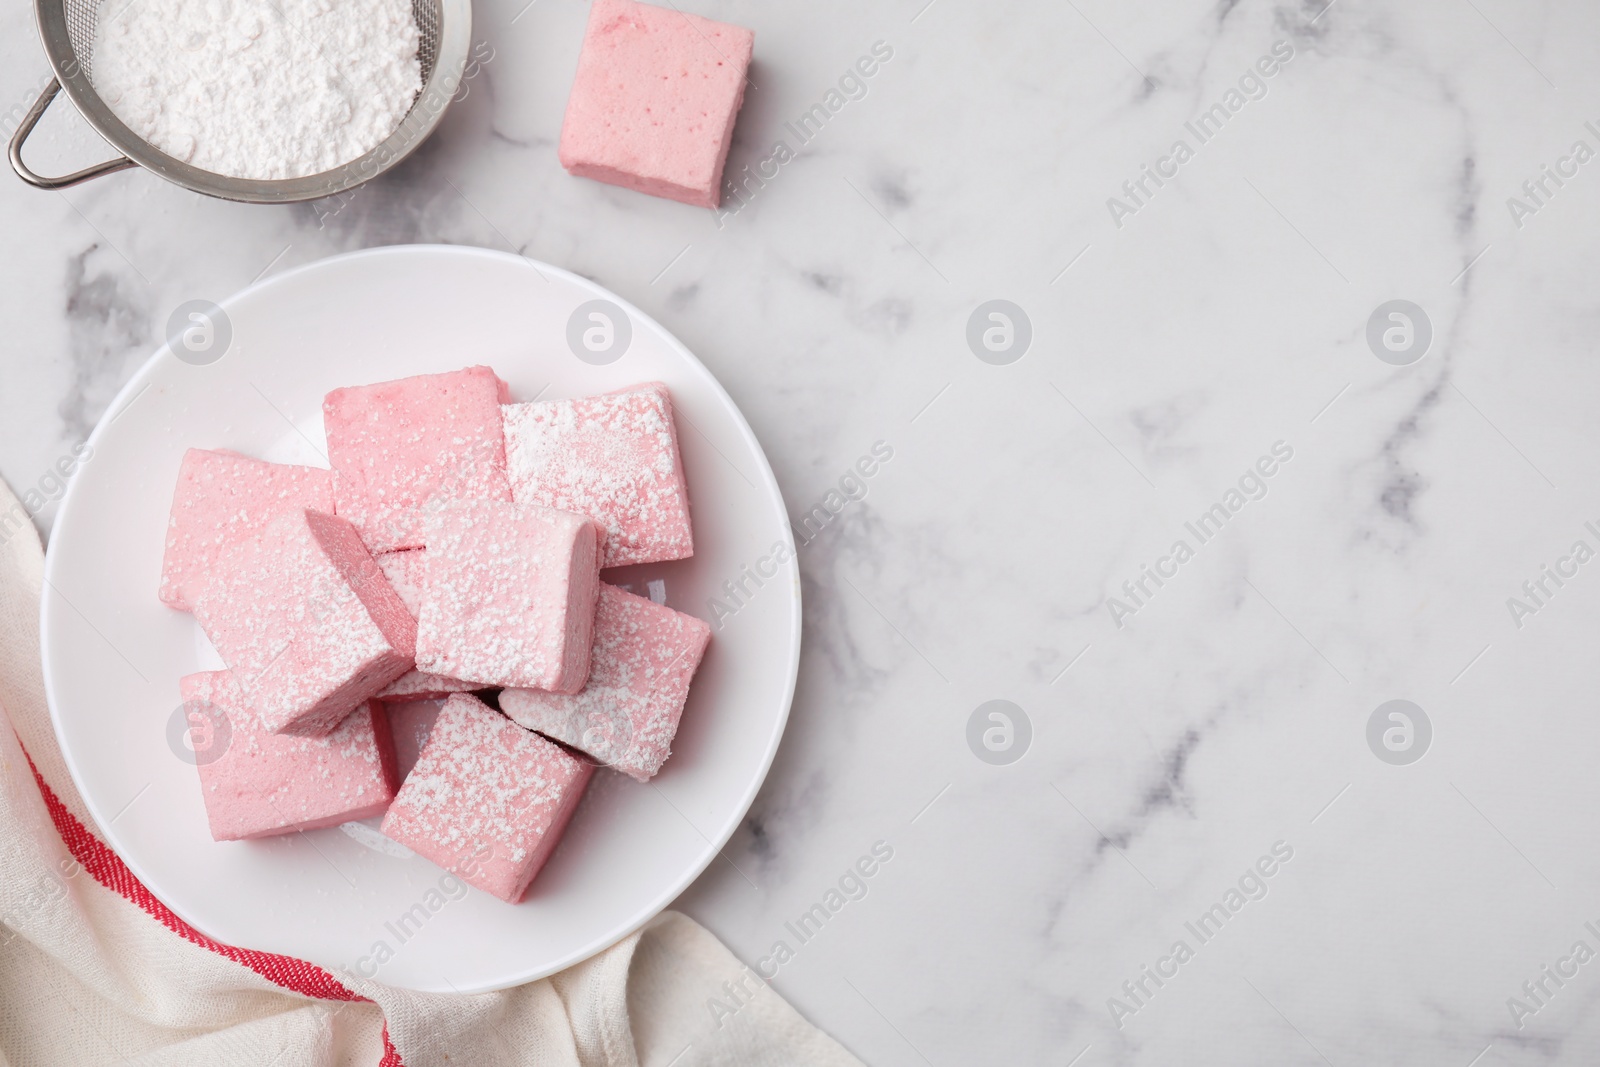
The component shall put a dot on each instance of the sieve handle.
(31, 120)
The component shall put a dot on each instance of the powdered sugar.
(612, 457)
(644, 658)
(259, 88)
(510, 595)
(487, 789)
(302, 616)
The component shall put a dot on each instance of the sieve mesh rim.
(67, 28)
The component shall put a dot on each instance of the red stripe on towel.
(108, 869)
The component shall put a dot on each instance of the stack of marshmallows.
(454, 550)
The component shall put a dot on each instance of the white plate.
(113, 653)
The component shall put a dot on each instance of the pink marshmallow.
(487, 800)
(263, 783)
(509, 596)
(399, 448)
(654, 101)
(222, 498)
(645, 656)
(406, 571)
(613, 458)
(302, 615)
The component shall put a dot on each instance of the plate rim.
(769, 483)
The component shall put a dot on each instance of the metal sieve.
(67, 27)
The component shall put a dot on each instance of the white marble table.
(1179, 335)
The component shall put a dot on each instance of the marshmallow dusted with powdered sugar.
(400, 449)
(302, 615)
(645, 655)
(221, 499)
(487, 799)
(261, 783)
(509, 595)
(613, 457)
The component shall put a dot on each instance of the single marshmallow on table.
(406, 572)
(257, 783)
(302, 615)
(487, 799)
(644, 658)
(654, 101)
(222, 498)
(400, 448)
(509, 595)
(612, 457)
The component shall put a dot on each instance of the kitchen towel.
(95, 970)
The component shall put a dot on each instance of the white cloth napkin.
(94, 970)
